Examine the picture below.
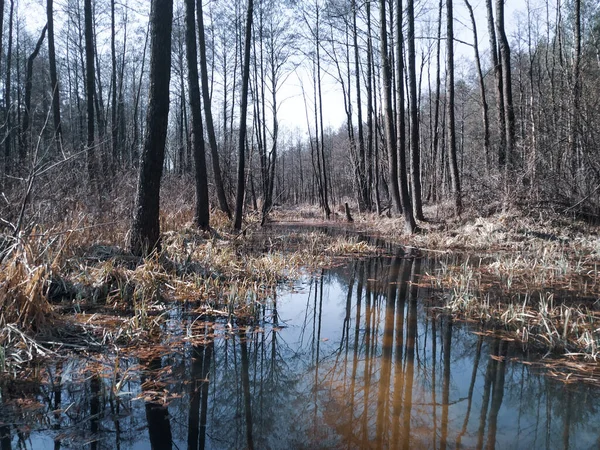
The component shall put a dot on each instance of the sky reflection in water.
(348, 359)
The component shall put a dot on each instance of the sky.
(292, 113)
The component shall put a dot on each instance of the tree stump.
(348, 215)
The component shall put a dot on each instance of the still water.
(350, 357)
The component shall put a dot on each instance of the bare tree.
(363, 184)
(576, 83)
(484, 104)
(114, 134)
(390, 135)
(145, 229)
(505, 65)
(202, 215)
(208, 113)
(501, 117)
(90, 86)
(454, 176)
(7, 91)
(241, 179)
(415, 156)
(24, 138)
(53, 74)
(398, 188)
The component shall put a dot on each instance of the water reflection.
(350, 359)
(200, 369)
(157, 414)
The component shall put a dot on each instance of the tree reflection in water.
(351, 358)
(157, 414)
(199, 372)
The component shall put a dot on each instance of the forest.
(511, 121)
(204, 198)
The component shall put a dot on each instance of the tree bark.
(364, 194)
(319, 123)
(212, 140)
(53, 75)
(436, 116)
(372, 186)
(1, 27)
(145, 230)
(202, 215)
(89, 90)
(114, 129)
(239, 199)
(576, 87)
(7, 92)
(501, 118)
(484, 105)
(24, 141)
(454, 176)
(505, 65)
(415, 156)
(405, 200)
(390, 137)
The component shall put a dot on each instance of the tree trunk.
(114, 130)
(202, 215)
(576, 88)
(436, 116)
(1, 27)
(415, 156)
(319, 124)
(400, 143)
(272, 160)
(239, 199)
(390, 138)
(212, 140)
(505, 65)
(53, 75)
(499, 86)
(364, 194)
(372, 186)
(103, 157)
(145, 230)
(89, 90)
(136, 106)
(454, 176)
(7, 92)
(484, 105)
(25, 141)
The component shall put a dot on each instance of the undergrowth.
(74, 285)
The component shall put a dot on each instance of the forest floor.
(72, 286)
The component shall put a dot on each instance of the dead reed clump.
(24, 307)
(537, 316)
(533, 275)
(349, 246)
(24, 281)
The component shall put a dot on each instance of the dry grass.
(536, 280)
(110, 297)
(23, 286)
(72, 284)
(532, 276)
(538, 317)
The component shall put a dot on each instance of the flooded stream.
(347, 358)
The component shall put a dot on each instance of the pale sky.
(292, 110)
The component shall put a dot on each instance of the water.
(348, 358)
